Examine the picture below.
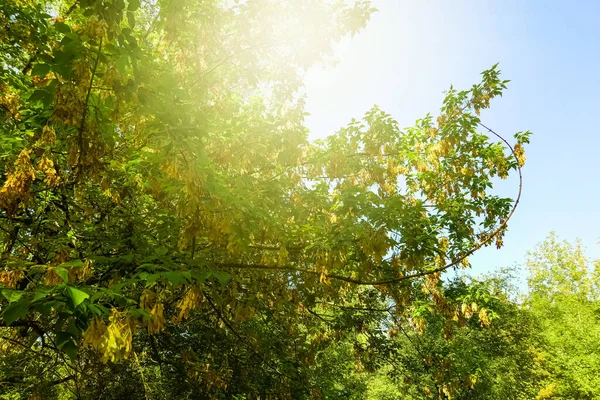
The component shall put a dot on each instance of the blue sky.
(411, 51)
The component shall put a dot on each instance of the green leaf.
(128, 258)
(98, 309)
(111, 49)
(64, 57)
(40, 294)
(62, 338)
(143, 275)
(119, 286)
(63, 273)
(139, 312)
(41, 95)
(72, 263)
(76, 295)
(201, 276)
(14, 311)
(161, 251)
(40, 70)
(62, 27)
(12, 295)
(150, 279)
(131, 19)
(222, 276)
(65, 343)
(47, 58)
(72, 328)
(151, 267)
(133, 5)
(174, 277)
(44, 308)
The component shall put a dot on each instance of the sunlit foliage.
(156, 167)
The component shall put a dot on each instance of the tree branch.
(85, 106)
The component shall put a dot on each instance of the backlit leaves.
(156, 170)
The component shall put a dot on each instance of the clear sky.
(411, 51)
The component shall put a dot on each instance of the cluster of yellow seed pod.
(18, 181)
(51, 277)
(149, 301)
(112, 341)
(519, 154)
(469, 309)
(96, 28)
(10, 101)
(80, 273)
(191, 300)
(46, 166)
(157, 321)
(419, 324)
(9, 278)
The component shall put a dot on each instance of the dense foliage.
(169, 231)
(565, 299)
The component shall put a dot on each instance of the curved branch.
(488, 237)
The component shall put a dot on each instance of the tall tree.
(156, 166)
(564, 296)
(488, 350)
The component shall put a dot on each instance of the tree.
(156, 168)
(488, 350)
(564, 295)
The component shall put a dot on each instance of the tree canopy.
(161, 202)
